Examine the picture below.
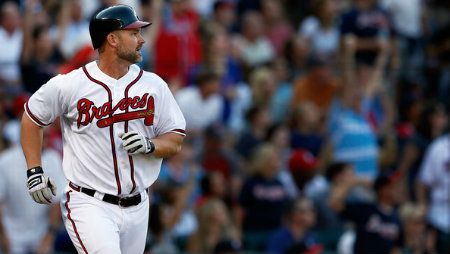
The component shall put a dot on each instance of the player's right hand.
(41, 187)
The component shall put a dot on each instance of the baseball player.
(118, 122)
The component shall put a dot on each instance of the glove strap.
(35, 170)
(151, 145)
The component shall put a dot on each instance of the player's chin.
(138, 57)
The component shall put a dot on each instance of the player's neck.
(113, 67)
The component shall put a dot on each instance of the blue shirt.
(283, 239)
(353, 139)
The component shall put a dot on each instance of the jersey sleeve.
(47, 103)
(170, 117)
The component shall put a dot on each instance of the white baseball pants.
(95, 226)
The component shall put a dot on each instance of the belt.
(115, 200)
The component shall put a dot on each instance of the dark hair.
(334, 169)
(272, 130)
(37, 31)
(252, 113)
(206, 75)
(205, 184)
(287, 49)
(423, 125)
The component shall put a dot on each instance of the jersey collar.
(97, 74)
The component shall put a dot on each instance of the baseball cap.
(302, 160)
(385, 178)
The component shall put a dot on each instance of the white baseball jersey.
(94, 109)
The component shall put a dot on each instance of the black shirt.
(263, 201)
(376, 231)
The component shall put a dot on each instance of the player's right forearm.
(31, 139)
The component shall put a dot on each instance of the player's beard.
(129, 54)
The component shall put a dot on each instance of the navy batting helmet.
(113, 18)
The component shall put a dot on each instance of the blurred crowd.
(314, 126)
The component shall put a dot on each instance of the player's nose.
(141, 39)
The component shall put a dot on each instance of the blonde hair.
(411, 211)
(199, 241)
(260, 156)
(257, 80)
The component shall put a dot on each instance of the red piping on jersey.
(73, 222)
(33, 116)
(130, 159)
(111, 130)
(179, 131)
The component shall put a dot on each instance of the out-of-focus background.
(314, 126)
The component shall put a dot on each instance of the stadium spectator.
(296, 52)
(201, 104)
(212, 187)
(408, 18)
(177, 45)
(19, 213)
(72, 31)
(182, 169)
(218, 56)
(377, 225)
(434, 179)
(215, 156)
(263, 85)
(306, 128)
(368, 23)
(340, 178)
(282, 96)
(351, 112)
(318, 86)
(258, 121)
(160, 240)
(262, 191)
(40, 57)
(254, 47)
(214, 226)
(417, 237)
(278, 29)
(430, 125)
(10, 45)
(321, 29)
(224, 14)
(278, 137)
(299, 221)
(305, 171)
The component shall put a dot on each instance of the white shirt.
(199, 112)
(256, 53)
(76, 36)
(406, 15)
(10, 47)
(435, 173)
(93, 112)
(322, 41)
(25, 221)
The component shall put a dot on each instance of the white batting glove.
(41, 187)
(133, 142)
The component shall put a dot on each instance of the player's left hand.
(134, 142)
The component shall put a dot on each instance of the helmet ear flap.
(100, 28)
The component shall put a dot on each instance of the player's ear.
(112, 39)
